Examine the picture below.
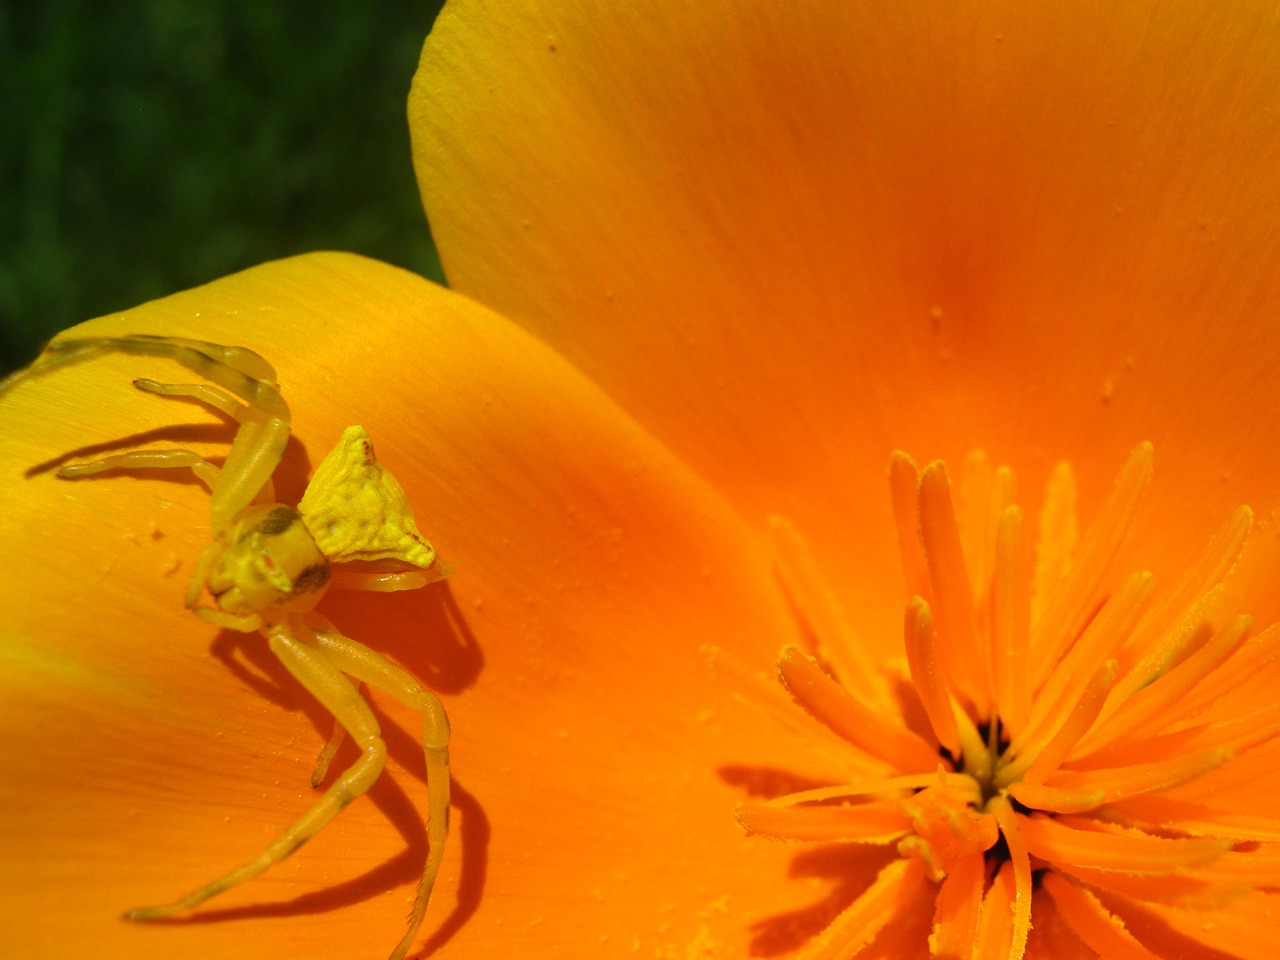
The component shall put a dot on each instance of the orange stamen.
(1011, 828)
(1175, 890)
(836, 641)
(1010, 624)
(894, 892)
(963, 659)
(1194, 818)
(1220, 555)
(904, 492)
(958, 905)
(1119, 783)
(1260, 867)
(868, 730)
(761, 691)
(995, 921)
(878, 821)
(926, 674)
(1039, 761)
(890, 786)
(1089, 920)
(1116, 721)
(1147, 709)
(1054, 799)
(984, 495)
(1072, 604)
(1087, 843)
(1067, 682)
(1057, 535)
(1256, 658)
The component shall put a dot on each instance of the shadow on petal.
(849, 868)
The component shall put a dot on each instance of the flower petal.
(846, 229)
(156, 752)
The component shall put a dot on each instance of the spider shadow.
(449, 663)
(847, 869)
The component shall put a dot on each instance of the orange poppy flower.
(757, 248)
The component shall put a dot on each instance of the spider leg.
(205, 471)
(327, 753)
(388, 581)
(237, 358)
(314, 669)
(229, 405)
(357, 660)
(254, 455)
(210, 396)
(237, 369)
(264, 420)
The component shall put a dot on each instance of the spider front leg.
(205, 471)
(255, 452)
(237, 372)
(314, 669)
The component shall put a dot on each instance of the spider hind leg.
(327, 683)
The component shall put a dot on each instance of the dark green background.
(150, 146)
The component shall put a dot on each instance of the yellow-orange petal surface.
(148, 751)
(793, 237)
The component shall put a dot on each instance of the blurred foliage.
(154, 145)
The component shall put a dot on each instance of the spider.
(268, 564)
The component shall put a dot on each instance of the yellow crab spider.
(268, 564)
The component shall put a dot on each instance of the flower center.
(1045, 718)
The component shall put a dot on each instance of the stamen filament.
(958, 906)
(1148, 706)
(971, 517)
(1175, 890)
(1091, 922)
(1220, 555)
(761, 691)
(1108, 738)
(1215, 786)
(977, 758)
(1073, 602)
(1195, 818)
(1035, 765)
(1038, 796)
(984, 495)
(926, 674)
(1071, 840)
(1116, 784)
(837, 641)
(995, 920)
(1010, 824)
(877, 821)
(1253, 658)
(1191, 627)
(1260, 867)
(894, 892)
(1056, 538)
(963, 659)
(904, 492)
(1101, 639)
(1010, 624)
(890, 785)
(868, 730)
